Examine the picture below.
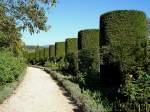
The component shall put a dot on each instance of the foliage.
(53, 65)
(46, 53)
(52, 51)
(10, 36)
(71, 45)
(125, 32)
(10, 67)
(71, 61)
(137, 93)
(89, 56)
(88, 39)
(89, 63)
(28, 14)
(60, 51)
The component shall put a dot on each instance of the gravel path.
(38, 93)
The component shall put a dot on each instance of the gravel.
(38, 92)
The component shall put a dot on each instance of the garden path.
(38, 92)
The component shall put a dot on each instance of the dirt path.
(38, 93)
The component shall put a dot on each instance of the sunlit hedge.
(71, 45)
(125, 32)
(88, 39)
(52, 50)
(60, 50)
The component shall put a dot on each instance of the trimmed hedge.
(88, 39)
(47, 53)
(42, 53)
(52, 51)
(89, 56)
(37, 53)
(124, 24)
(89, 63)
(125, 32)
(71, 45)
(60, 49)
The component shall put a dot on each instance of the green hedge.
(88, 39)
(52, 51)
(60, 49)
(89, 56)
(71, 45)
(37, 53)
(89, 63)
(42, 53)
(47, 53)
(125, 32)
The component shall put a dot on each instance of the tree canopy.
(28, 14)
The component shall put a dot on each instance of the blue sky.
(71, 16)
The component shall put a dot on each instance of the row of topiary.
(115, 56)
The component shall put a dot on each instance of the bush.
(89, 56)
(71, 61)
(89, 63)
(137, 93)
(88, 39)
(52, 51)
(125, 32)
(10, 67)
(46, 53)
(60, 51)
(71, 45)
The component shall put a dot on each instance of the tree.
(28, 14)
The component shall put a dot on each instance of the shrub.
(51, 52)
(71, 63)
(71, 45)
(88, 39)
(46, 53)
(10, 67)
(89, 63)
(60, 51)
(125, 32)
(89, 56)
(137, 93)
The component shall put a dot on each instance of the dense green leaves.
(10, 67)
(28, 14)
(60, 50)
(71, 61)
(52, 50)
(126, 33)
(88, 39)
(71, 45)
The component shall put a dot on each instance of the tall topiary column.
(52, 53)
(71, 60)
(71, 45)
(60, 51)
(124, 33)
(89, 58)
